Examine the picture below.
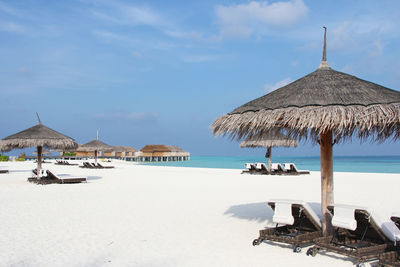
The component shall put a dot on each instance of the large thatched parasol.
(38, 136)
(95, 145)
(273, 138)
(325, 105)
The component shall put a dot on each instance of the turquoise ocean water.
(374, 164)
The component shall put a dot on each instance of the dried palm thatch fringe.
(273, 138)
(38, 135)
(290, 143)
(8, 145)
(95, 145)
(381, 121)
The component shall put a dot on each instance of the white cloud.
(243, 20)
(131, 15)
(360, 34)
(137, 54)
(376, 49)
(142, 16)
(271, 87)
(8, 26)
(199, 58)
(112, 36)
(9, 10)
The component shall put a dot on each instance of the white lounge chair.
(296, 224)
(392, 258)
(66, 178)
(249, 166)
(277, 167)
(291, 167)
(358, 234)
(261, 166)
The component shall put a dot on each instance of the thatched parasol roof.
(325, 104)
(269, 139)
(35, 136)
(323, 100)
(95, 145)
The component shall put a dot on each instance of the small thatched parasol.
(38, 136)
(95, 145)
(325, 105)
(273, 138)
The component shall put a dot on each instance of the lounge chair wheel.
(297, 249)
(312, 251)
(256, 242)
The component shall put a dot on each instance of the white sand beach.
(136, 215)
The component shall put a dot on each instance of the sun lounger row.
(64, 162)
(95, 166)
(358, 234)
(48, 177)
(276, 168)
(66, 178)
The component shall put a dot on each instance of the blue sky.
(160, 72)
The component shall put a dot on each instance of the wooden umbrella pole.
(326, 181)
(39, 159)
(269, 159)
(95, 156)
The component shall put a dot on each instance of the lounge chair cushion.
(289, 167)
(283, 213)
(248, 165)
(344, 217)
(391, 231)
(277, 167)
(260, 166)
(314, 216)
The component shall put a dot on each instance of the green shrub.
(3, 158)
(69, 154)
(23, 156)
(20, 159)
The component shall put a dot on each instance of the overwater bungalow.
(157, 153)
(121, 152)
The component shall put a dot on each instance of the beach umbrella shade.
(38, 136)
(327, 106)
(269, 139)
(95, 145)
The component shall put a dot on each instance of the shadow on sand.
(260, 212)
(89, 178)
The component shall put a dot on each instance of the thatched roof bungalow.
(121, 151)
(164, 153)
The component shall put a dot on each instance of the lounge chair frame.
(87, 165)
(396, 220)
(302, 233)
(391, 258)
(103, 167)
(55, 179)
(254, 170)
(363, 244)
(293, 169)
(64, 162)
